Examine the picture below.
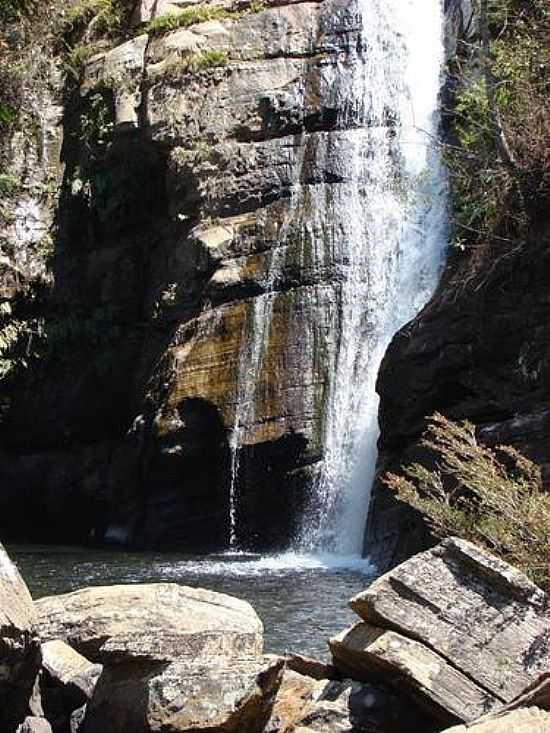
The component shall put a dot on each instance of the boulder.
(294, 695)
(351, 706)
(19, 647)
(524, 720)
(481, 615)
(217, 695)
(160, 622)
(175, 658)
(537, 695)
(67, 683)
(34, 725)
(311, 667)
(371, 654)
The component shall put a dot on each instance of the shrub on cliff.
(500, 120)
(493, 497)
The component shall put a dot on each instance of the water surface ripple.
(301, 599)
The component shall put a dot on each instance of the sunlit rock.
(372, 654)
(173, 656)
(34, 725)
(525, 720)
(482, 615)
(67, 682)
(19, 647)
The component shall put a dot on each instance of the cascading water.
(254, 340)
(392, 222)
(382, 229)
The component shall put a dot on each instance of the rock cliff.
(180, 156)
(168, 185)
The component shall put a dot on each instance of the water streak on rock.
(381, 234)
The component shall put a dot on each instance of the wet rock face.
(478, 351)
(167, 242)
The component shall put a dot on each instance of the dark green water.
(300, 599)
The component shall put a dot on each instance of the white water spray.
(391, 216)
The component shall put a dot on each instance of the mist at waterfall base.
(388, 228)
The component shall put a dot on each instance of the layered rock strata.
(180, 233)
(454, 628)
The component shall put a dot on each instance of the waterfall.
(382, 229)
(391, 230)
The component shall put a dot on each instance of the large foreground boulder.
(160, 622)
(481, 615)
(175, 658)
(19, 646)
(457, 630)
(368, 653)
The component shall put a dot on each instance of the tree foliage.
(493, 497)
(500, 122)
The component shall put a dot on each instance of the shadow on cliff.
(271, 492)
(104, 330)
(185, 475)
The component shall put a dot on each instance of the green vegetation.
(11, 84)
(97, 123)
(88, 24)
(13, 9)
(195, 62)
(6, 113)
(95, 329)
(17, 341)
(186, 17)
(8, 185)
(209, 59)
(78, 56)
(28, 342)
(103, 17)
(492, 497)
(256, 6)
(500, 162)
